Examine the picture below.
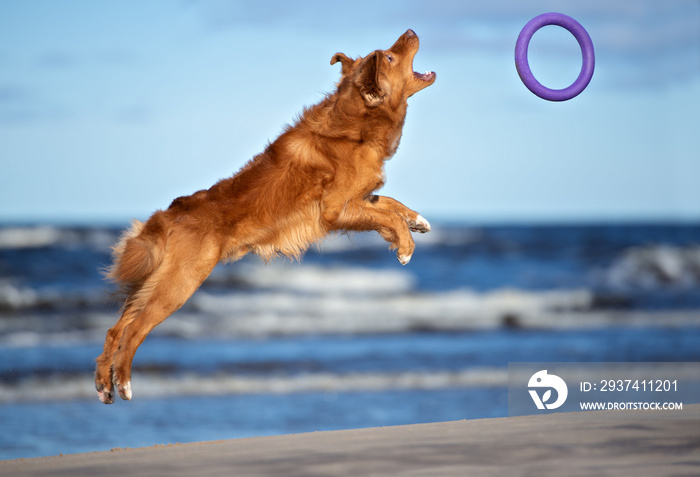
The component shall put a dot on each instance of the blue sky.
(109, 110)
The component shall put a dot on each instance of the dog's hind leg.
(103, 371)
(188, 259)
(168, 289)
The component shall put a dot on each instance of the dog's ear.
(344, 61)
(367, 80)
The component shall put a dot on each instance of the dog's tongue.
(424, 77)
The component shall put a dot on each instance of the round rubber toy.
(523, 67)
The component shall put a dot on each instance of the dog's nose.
(410, 33)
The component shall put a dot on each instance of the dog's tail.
(138, 253)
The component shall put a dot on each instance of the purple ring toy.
(584, 41)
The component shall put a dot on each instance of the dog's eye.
(390, 58)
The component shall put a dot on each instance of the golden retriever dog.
(317, 177)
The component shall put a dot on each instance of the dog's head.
(386, 76)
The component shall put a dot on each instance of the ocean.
(345, 338)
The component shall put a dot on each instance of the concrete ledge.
(570, 444)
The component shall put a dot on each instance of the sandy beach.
(572, 444)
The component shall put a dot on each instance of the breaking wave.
(262, 315)
(655, 266)
(29, 237)
(45, 236)
(65, 388)
(461, 279)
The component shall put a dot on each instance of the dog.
(318, 177)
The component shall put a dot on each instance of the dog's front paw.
(419, 225)
(403, 259)
(405, 251)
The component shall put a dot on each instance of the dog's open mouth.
(427, 76)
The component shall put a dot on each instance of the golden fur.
(317, 177)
